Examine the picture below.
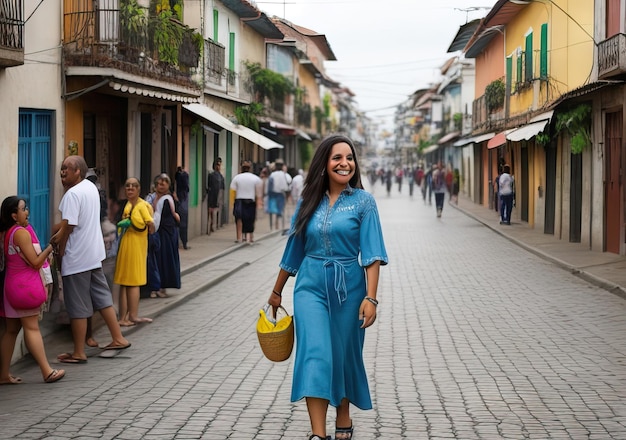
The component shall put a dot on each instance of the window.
(509, 74)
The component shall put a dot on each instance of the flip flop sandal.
(344, 433)
(68, 358)
(13, 380)
(55, 376)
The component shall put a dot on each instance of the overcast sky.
(385, 49)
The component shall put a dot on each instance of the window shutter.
(520, 70)
(216, 16)
(528, 58)
(543, 53)
(509, 73)
(231, 59)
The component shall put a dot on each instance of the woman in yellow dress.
(132, 255)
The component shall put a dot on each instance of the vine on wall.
(577, 122)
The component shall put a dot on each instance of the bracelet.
(372, 300)
(277, 293)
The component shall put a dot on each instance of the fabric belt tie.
(339, 278)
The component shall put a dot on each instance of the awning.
(430, 149)
(474, 139)
(211, 115)
(527, 132)
(255, 138)
(449, 137)
(281, 126)
(499, 139)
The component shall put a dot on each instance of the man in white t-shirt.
(78, 238)
(507, 194)
(246, 186)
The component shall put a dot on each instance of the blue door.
(33, 168)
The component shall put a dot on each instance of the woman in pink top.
(20, 260)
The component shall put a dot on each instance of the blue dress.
(330, 260)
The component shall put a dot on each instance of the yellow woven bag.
(276, 339)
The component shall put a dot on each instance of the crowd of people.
(437, 179)
(140, 248)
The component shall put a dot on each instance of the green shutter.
(231, 52)
(509, 74)
(215, 23)
(543, 54)
(520, 66)
(528, 58)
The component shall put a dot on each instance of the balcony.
(612, 57)
(11, 33)
(128, 39)
(483, 119)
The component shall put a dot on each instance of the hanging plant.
(494, 95)
(577, 122)
(247, 115)
(269, 84)
(543, 139)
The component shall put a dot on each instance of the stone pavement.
(603, 269)
(202, 265)
(475, 339)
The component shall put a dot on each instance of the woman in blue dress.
(336, 248)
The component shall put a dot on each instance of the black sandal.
(344, 433)
(317, 437)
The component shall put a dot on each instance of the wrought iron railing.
(141, 44)
(12, 24)
(611, 57)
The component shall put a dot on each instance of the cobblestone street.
(476, 338)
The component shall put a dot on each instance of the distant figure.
(246, 186)
(507, 194)
(182, 197)
(215, 195)
(456, 186)
(278, 185)
(439, 187)
(297, 183)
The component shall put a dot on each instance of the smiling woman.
(336, 232)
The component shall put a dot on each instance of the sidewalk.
(209, 252)
(603, 269)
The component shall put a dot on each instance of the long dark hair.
(316, 182)
(9, 207)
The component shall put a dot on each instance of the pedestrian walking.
(439, 187)
(336, 247)
(20, 267)
(246, 186)
(279, 184)
(215, 194)
(507, 195)
(85, 286)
